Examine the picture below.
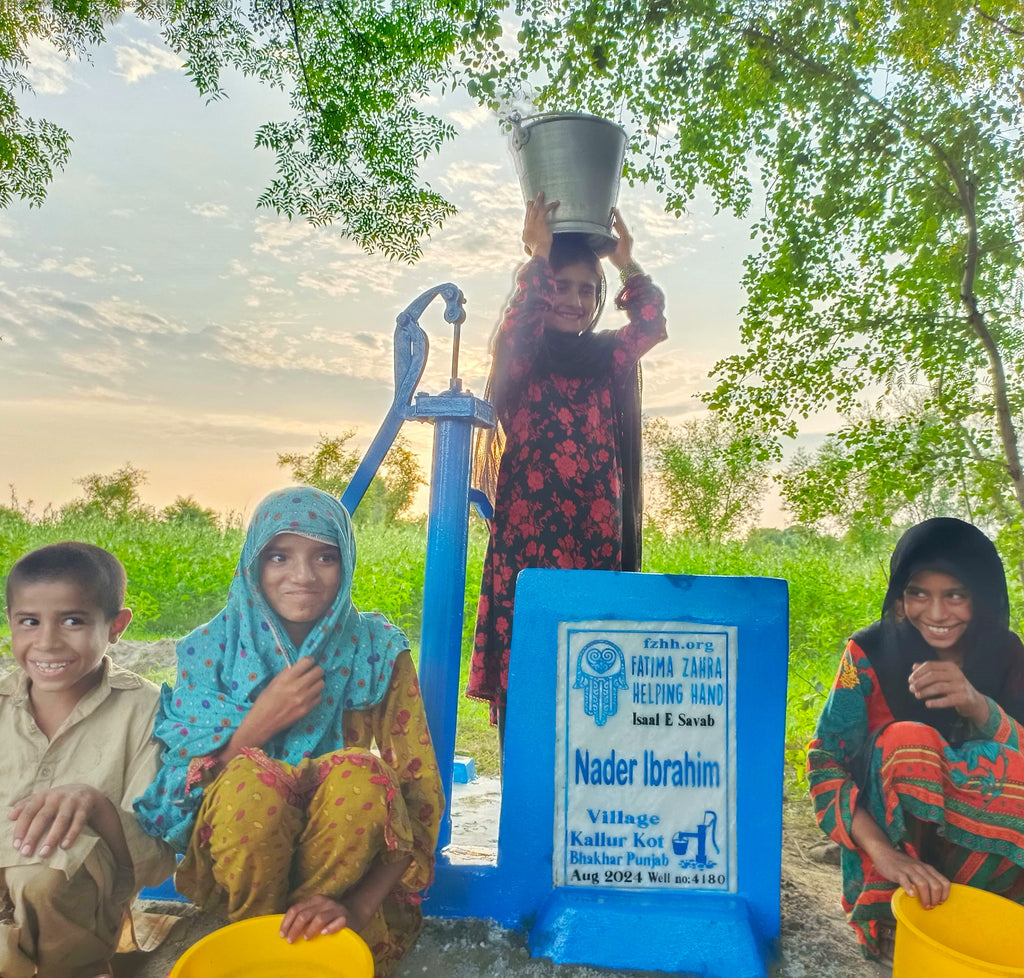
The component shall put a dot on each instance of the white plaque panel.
(645, 790)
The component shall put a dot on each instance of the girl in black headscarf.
(916, 767)
(563, 467)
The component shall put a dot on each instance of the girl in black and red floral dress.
(563, 467)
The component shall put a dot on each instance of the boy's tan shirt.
(107, 742)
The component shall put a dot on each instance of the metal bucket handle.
(520, 135)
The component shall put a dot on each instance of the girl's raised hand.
(622, 255)
(537, 226)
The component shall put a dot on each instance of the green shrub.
(179, 573)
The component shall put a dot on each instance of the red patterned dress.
(558, 501)
(902, 772)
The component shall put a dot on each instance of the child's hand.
(916, 877)
(291, 694)
(314, 916)
(56, 817)
(943, 684)
(623, 253)
(537, 228)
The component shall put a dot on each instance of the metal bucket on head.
(575, 159)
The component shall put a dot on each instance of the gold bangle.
(628, 270)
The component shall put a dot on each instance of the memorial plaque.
(641, 819)
(645, 756)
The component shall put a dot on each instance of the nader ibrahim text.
(649, 769)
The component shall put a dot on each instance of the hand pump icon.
(681, 840)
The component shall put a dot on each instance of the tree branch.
(1002, 25)
(966, 196)
(976, 320)
(294, 18)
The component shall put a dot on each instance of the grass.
(178, 576)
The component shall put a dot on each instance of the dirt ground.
(815, 941)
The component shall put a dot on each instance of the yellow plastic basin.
(974, 934)
(253, 949)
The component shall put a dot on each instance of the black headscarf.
(993, 658)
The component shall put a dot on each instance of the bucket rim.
(538, 118)
(898, 899)
(355, 943)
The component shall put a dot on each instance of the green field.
(178, 575)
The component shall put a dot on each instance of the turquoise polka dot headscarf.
(225, 664)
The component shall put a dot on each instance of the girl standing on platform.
(916, 767)
(269, 785)
(563, 466)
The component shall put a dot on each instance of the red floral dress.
(558, 501)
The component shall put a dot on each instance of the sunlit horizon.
(153, 316)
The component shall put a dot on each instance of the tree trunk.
(976, 320)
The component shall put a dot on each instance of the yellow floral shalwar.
(269, 834)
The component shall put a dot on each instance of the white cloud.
(84, 267)
(483, 236)
(272, 423)
(334, 282)
(329, 263)
(47, 316)
(266, 283)
(285, 240)
(486, 234)
(352, 274)
(98, 401)
(49, 69)
(81, 268)
(209, 209)
(664, 237)
(102, 392)
(140, 59)
(468, 119)
(672, 379)
(121, 270)
(101, 363)
(135, 318)
(656, 223)
(469, 173)
(257, 344)
(361, 344)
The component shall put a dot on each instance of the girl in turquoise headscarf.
(269, 786)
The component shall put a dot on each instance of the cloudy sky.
(151, 314)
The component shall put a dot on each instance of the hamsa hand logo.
(600, 673)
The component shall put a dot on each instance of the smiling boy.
(78, 748)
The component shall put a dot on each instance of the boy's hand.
(54, 818)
